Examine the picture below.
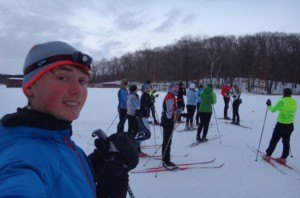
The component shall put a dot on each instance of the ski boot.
(281, 160)
(267, 158)
(169, 165)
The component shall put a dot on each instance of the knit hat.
(47, 56)
(172, 84)
(192, 86)
(145, 87)
(287, 92)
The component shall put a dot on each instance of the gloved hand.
(126, 147)
(97, 157)
(268, 103)
(101, 143)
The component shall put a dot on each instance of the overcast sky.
(108, 28)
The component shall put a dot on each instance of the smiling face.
(61, 92)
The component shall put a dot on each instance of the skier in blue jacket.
(37, 156)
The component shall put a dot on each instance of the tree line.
(266, 55)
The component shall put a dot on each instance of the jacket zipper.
(72, 147)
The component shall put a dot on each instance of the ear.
(29, 92)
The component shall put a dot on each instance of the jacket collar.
(32, 118)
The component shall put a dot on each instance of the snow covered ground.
(241, 176)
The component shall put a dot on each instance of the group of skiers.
(200, 101)
(39, 159)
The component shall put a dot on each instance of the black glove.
(127, 151)
(269, 103)
(97, 157)
(101, 143)
(156, 95)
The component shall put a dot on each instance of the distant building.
(14, 82)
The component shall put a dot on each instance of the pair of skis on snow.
(159, 157)
(182, 166)
(238, 125)
(274, 162)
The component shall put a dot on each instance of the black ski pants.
(168, 127)
(283, 131)
(122, 118)
(132, 125)
(191, 111)
(235, 111)
(204, 124)
(226, 101)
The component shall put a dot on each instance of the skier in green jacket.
(287, 107)
(208, 99)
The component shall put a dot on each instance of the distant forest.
(266, 55)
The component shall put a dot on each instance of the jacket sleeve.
(22, 179)
(277, 107)
(169, 108)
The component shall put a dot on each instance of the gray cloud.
(129, 21)
(171, 19)
(109, 49)
(188, 19)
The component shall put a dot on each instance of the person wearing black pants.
(192, 99)
(208, 99)
(283, 131)
(169, 116)
(235, 112)
(122, 106)
(204, 124)
(287, 107)
(225, 93)
(167, 140)
(133, 104)
(236, 94)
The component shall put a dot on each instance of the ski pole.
(130, 192)
(217, 124)
(154, 137)
(155, 152)
(112, 123)
(168, 143)
(262, 131)
(291, 152)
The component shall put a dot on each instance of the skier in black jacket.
(180, 98)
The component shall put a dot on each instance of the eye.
(83, 81)
(62, 78)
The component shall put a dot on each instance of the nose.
(75, 88)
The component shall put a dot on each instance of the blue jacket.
(191, 97)
(122, 97)
(37, 162)
(199, 92)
